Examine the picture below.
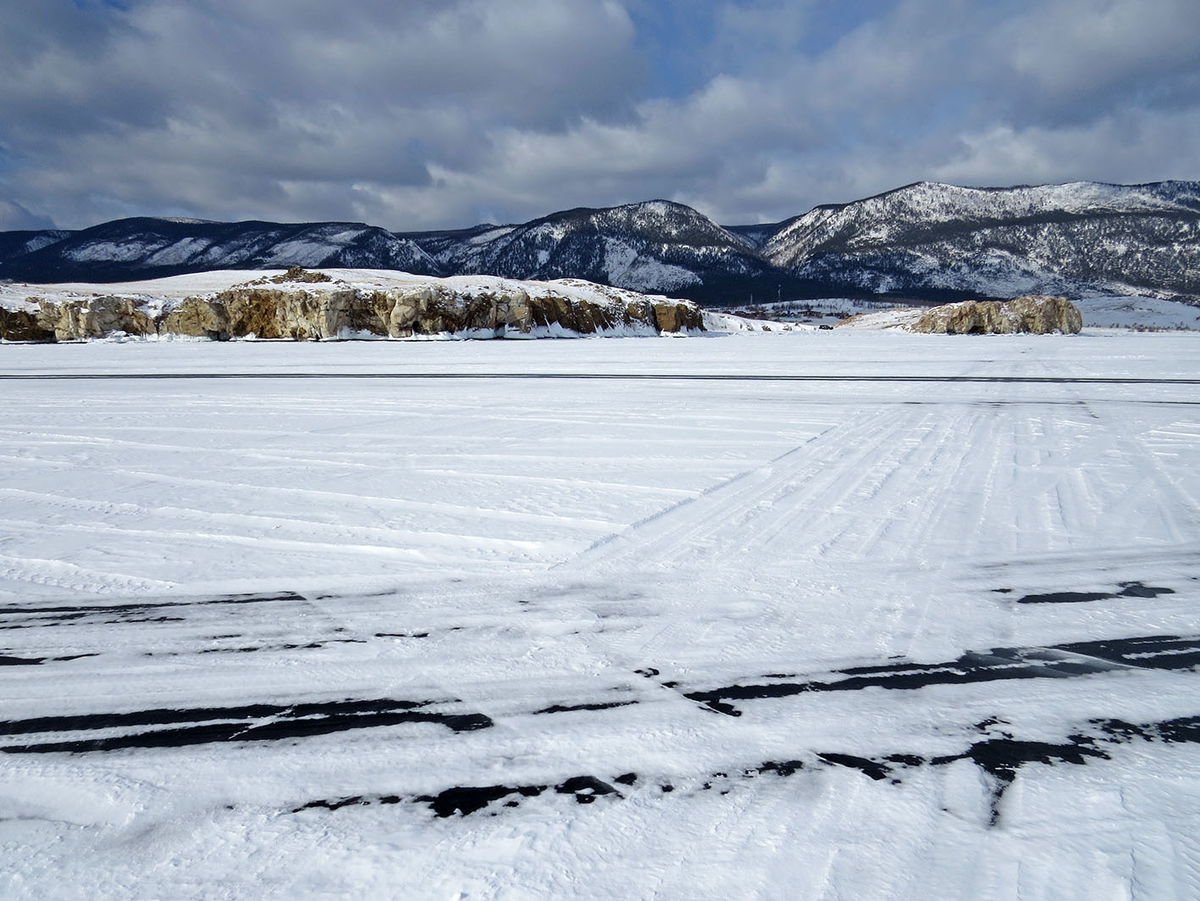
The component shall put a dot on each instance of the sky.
(428, 114)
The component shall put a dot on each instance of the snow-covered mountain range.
(155, 248)
(921, 241)
(1002, 242)
(659, 246)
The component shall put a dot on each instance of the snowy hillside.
(18, 243)
(657, 247)
(147, 248)
(1074, 239)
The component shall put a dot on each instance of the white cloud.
(1080, 56)
(437, 114)
(1132, 147)
(233, 108)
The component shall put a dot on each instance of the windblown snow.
(809, 615)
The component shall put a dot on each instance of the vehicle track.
(603, 376)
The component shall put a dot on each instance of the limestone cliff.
(301, 305)
(1033, 314)
(94, 318)
(23, 325)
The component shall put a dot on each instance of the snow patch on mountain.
(625, 265)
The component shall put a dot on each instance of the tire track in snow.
(730, 520)
(702, 519)
(819, 513)
(110, 509)
(599, 376)
(61, 574)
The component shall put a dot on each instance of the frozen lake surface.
(818, 615)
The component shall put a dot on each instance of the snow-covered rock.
(95, 317)
(300, 305)
(23, 325)
(1032, 314)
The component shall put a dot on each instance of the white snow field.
(813, 615)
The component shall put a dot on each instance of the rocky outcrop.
(304, 305)
(95, 317)
(295, 274)
(1033, 314)
(672, 316)
(23, 325)
(195, 317)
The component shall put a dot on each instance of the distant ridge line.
(926, 240)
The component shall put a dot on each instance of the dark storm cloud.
(437, 114)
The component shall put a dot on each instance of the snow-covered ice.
(809, 615)
(1138, 313)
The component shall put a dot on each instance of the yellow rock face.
(1034, 314)
(23, 325)
(95, 317)
(311, 306)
